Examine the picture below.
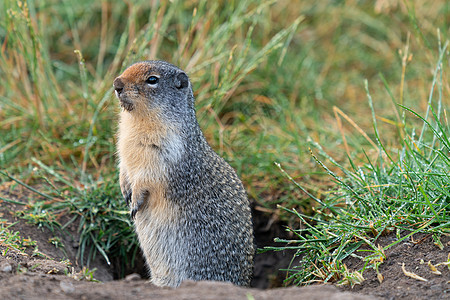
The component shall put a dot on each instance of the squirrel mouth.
(128, 106)
(125, 103)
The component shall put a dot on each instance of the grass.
(271, 80)
(402, 191)
(12, 240)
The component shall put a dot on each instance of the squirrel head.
(154, 86)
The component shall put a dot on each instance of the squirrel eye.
(152, 80)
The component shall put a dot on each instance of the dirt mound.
(25, 277)
(60, 287)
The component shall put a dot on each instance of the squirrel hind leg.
(137, 199)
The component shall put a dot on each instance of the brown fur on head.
(150, 85)
(131, 85)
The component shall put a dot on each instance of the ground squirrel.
(190, 210)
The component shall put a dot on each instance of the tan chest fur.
(139, 143)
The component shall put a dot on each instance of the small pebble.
(436, 287)
(66, 287)
(6, 267)
(133, 277)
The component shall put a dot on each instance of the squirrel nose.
(118, 85)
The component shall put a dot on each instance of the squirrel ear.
(181, 80)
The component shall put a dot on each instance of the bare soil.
(412, 255)
(49, 277)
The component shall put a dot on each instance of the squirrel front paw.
(136, 202)
(125, 187)
(127, 195)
